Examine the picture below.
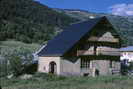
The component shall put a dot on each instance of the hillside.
(124, 25)
(30, 21)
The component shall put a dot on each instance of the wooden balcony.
(111, 53)
(99, 52)
(106, 39)
(85, 52)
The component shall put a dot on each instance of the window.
(112, 65)
(44, 68)
(85, 63)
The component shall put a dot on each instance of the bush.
(16, 57)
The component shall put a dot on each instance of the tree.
(131, 66)
(16, 59)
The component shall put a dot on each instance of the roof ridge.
(88, 20)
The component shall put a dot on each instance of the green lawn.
(44, 81)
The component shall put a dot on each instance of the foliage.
(15, 56)
(29, 21)
(127, 69)
(131, 66)
(45, 81)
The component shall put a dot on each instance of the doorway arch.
(52, 67)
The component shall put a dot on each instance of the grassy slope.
(55, 82)
(10, 45)
(14, 44)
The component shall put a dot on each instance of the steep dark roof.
(66, 39)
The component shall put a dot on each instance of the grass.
(44, 81)
(13, 44)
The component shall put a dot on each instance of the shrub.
(17, 57)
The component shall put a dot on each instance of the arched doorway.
(52, 67)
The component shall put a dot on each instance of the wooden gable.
(103, 34)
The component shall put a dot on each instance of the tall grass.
(44, 81)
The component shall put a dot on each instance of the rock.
(26, 76)
(10, 76)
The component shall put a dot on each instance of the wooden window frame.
(85, 63)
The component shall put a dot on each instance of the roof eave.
(50, 55)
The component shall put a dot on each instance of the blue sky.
(117, 7)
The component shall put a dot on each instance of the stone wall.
(70, 68)
(67, 67)
(43, 64)
(102, 66)
(64, 66)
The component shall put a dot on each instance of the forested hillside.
(30, 21)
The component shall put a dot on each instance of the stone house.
(87, 48)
